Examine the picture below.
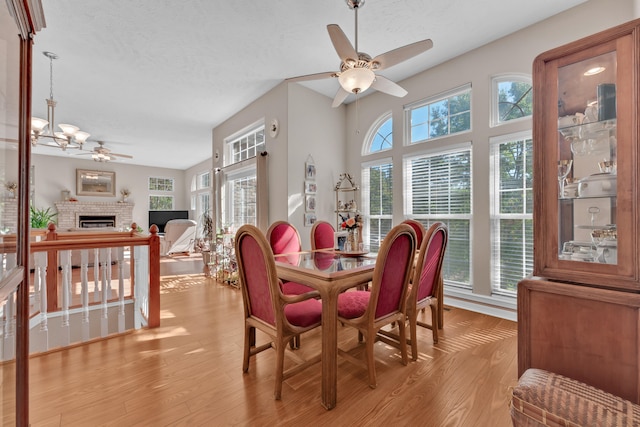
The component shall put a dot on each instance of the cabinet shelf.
(346, 185)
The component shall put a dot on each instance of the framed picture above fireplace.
(95, 183)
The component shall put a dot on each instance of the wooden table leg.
(329, 349)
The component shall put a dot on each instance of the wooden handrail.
(56, 242)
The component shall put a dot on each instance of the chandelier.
(70, 137)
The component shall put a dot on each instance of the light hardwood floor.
(189, 372)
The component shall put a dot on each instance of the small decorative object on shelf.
(125, 193)
(11, 187)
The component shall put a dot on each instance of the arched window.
(380, 136)
(511, 98)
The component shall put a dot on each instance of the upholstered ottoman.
(543, 398)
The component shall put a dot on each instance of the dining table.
(330, 273)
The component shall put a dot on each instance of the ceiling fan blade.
(401, 54)
(385, 85)
(126, 156)
(341, 43)
(340, 97)
(316, 76)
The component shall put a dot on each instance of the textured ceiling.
(152, 78)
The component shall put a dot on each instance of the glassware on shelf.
(564, 166)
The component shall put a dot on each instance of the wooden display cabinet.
(585, 112)
(580, 316)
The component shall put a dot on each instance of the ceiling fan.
(357, 68)
(103, 154)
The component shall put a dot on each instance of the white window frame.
(230, 154)
(497, 216)
(365, 198)
(495, 106)
(247, 171)
(167, 179)
(446, 218)
(433, 100)
(373, 131)
(168, 196)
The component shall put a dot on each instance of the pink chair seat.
(305, 313)
(353, 304)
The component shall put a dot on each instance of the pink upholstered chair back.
(430, 258)
(283, 238)
(257, 274)
(418, 228)
(392, 272)
(322, 235)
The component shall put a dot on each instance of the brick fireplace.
(71, 213)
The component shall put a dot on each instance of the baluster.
(40, 276)
(120, 261)
(96, 275)
(3, 324)
(10, 261)
(104, 319)
(65, 263)
(35, 296)
(9, 327)
(141, 308)
(107, 264)
(84, 280)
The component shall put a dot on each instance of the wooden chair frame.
(413, 305)
(282, 331)
(367, 324)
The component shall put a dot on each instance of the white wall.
(512, 54)
(54, 174)
(269, 106)
(316, 131)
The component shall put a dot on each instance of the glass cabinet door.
(586, 161)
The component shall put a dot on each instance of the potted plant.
(206, 241)
(41, 218)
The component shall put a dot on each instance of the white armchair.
(179, 236)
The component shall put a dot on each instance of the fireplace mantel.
(69, 213)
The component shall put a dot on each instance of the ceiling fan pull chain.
(357, 113)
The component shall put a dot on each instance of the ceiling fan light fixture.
(356, 80)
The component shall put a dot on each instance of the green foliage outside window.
(515, 100)
(160, 203)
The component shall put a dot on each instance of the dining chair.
(424, 288)
(385, 303)
(322, 236)
(267, 308)
(418, 228)
(284, 238)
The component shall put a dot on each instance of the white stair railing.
(78, 317)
